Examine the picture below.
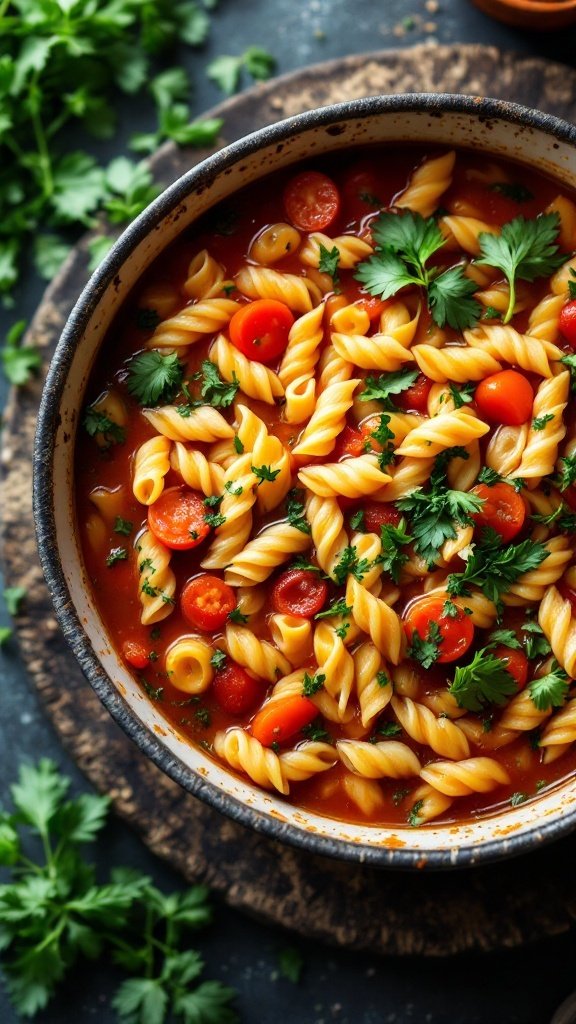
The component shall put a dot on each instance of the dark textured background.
(522, 987)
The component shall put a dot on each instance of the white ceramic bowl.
(494, 127)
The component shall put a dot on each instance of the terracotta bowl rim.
(436, 105)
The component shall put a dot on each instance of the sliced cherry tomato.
(457, 633)
(135, 654)
(505, 397)
(177, 518)
(378, 514)
(503, 509)
(299, 592)
(282, 718)
(207, 601)
(416, 396)
(350, 442)
(515, 662)
(235, 691)
(311, 201)
(260, 329)
(568, 322)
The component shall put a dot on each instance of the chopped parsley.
(264, 473)
(237, 617)
(392, 556)
(328, 264)
(116, 555)
(494, 567)
(123, 526)
(315, 731)
(489, 476)
(462, 394)
(484, 681)
(507, 637)
(561, 517)
(233, 488)
(414, 818)
(213, 519)
(535, 643)
(97, 423)
(238, 446)
(295, 511)
(518, 798)
(540, 421)
(218, 660)
(338, 607)
(156, 694)
(404, 243)
(435, 513)
(567, 472)
(357, 521)
(215, 391)
(350, 565)
(147, 319)
(426, 651)
(379, 389)
(549, 691)
(311, 684)
(154, 378)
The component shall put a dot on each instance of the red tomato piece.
(235, 691)
(299, 592)
(177, 518)
(568, 322)
(457, 633)
(368, 428)
(260, 329)
(505, 397)
(350, 442)
(311, 201)
(416, 396)
(378, 514)
(515, 662)
(503, 509)
(207, 601)
(372, 305)
(135, 654)
(282, 719)
(360, 191)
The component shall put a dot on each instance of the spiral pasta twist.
(559, 627)
(195, 469)
(456, 363)
(296, 373)
(262, 554)
(396, 321)
(202, 424)
(327, 420)
(332, 369)
(307, 759)
(406, 476)
(261, 657)
(530, 586)
(151, 463)
(462, 473)
(464, 232)
(375, 618)
(335, 663)
(373, 683)
(245, 753)
(460, 778)
(428, 803)
(157, 582)
(194, 322)
(560, 733)
(505, 448)
(545, 317)
(388, 760)
(255, 379)
(352, 478)
(188, 664)
(292, 635)
(328, 534)
(427, 185)
(236, 511)
(299, 293)
(351, 249)
(205, 276)
(378, 352)
(291, 685)
(541, 451)
(443, 431)
(442, 735)
(506, 344)
(273, 243)
(366, 794)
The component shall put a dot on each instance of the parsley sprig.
(404, 243)
(54, 912)
(484, 681)
(154, 378)
(380, 388)
(494, 568)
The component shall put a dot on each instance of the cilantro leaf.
(549, 691)
(524, 250)
(154, 378)
(98, 423)
(462, 394)
(338, 607)
(350, 564)
(296, 512)
(384, 274)
(265, 474)
(484, 681)
(540, 421)
(507, 637)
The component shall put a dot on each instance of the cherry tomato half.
(260, 330)
(515, 662)
(503, 509)
(457, 633)
(299, 592)
(135, 654)
(311, 201)
(416, 396)
(177, 518)
(350, 442)
(235, 691)
(378, 514)
(282, 718)
(207, 601)
(567, 322)
(505, 397)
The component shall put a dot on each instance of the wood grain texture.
(435, 915)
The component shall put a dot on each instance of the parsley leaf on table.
(19, 362)
(524, 250)
(225, 71)
(404, 242)
(154, 378)
(484, 681)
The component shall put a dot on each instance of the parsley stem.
(4, 7)
(41, 141)
(511, 301)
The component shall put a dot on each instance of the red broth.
(366, 181)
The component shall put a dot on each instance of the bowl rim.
(402, 858)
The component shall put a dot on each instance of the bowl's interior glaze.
(549, 147)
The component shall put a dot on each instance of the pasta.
(332, 533)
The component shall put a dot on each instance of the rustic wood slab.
(485, 908)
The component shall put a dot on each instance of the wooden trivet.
(486, 908)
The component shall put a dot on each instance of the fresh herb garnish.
(567, 471)
(535, 643)
(215, 391)
(507, 637)
(494, 567)
(379, 389)
(328, 264)
(484, 681)
(264, 473)
(462, 394)
(213, 519)
(404, 243)
(54, 912)
(233, 488)
(123, 526)
(549, 691)
(238, 446)
(489, 476)
(426, 651)
(155, 693)
(225, 71)
(414, 818)
(316, 732)
(97, 423)
(338, 607)
(237, 617)
(218, 660)
(153, 378)
(350, 565)
(116, 555)
(540, 421)
(393, 540)
(435, 513)
(311, 684)
(518, 798)
(561, 517)
(296, 512)
(524, 250)
(357, 521)
(512, 190)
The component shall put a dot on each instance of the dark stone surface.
(520, 900)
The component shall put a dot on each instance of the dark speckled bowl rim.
(401, 857)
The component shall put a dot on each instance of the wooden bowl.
(544, 15)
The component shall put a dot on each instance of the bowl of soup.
(304, 480)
